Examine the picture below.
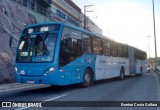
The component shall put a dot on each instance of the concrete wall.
(13, 18)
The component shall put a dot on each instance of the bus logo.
(89, 60)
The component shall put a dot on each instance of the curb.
(16, 86)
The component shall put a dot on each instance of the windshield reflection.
(36, 47)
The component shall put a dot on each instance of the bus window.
(97, 45)
(125, 48)
(106, 47)
(35, 48)
(120, 50)
(136, 54)
(144, 56)
(86, 43)
(71, 45)
(114, 49)
(140, 54)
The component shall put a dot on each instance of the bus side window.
(114, 51)
(71, 45)
(120, 51)
(106, 47)
(97, 45)
(86, 43)
(135, 53)
(125, 48)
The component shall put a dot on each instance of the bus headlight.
(50, 70)
(16, 69)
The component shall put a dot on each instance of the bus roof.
(80, 29)
(64, 24)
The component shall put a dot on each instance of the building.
(67, 11)
(91, 26)
(61, 10)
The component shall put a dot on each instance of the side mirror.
(13, 42)
(10, 41)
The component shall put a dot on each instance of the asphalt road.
(132, 88)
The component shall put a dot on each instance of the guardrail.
(35, 7)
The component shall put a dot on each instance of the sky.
(126, 21)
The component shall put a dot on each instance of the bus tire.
(87, 78)
(122, 73)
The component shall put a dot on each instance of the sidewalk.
(16, 86)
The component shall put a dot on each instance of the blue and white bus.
(56, 53)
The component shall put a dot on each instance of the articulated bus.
(56, 53)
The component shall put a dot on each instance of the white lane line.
(51, 99)
(22, 108)
(18, 88)
(55, 97)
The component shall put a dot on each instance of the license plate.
(30, 82)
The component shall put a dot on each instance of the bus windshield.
(37, 47)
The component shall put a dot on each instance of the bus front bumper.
(45, 79)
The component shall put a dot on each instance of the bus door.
(70, 54)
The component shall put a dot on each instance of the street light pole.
(85, 14)
(148, 48)
(84, 17)
(154, 35)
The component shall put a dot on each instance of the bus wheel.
(87, 78)
(141, 71)
(122, 72)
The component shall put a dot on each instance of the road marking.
(54, 98)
